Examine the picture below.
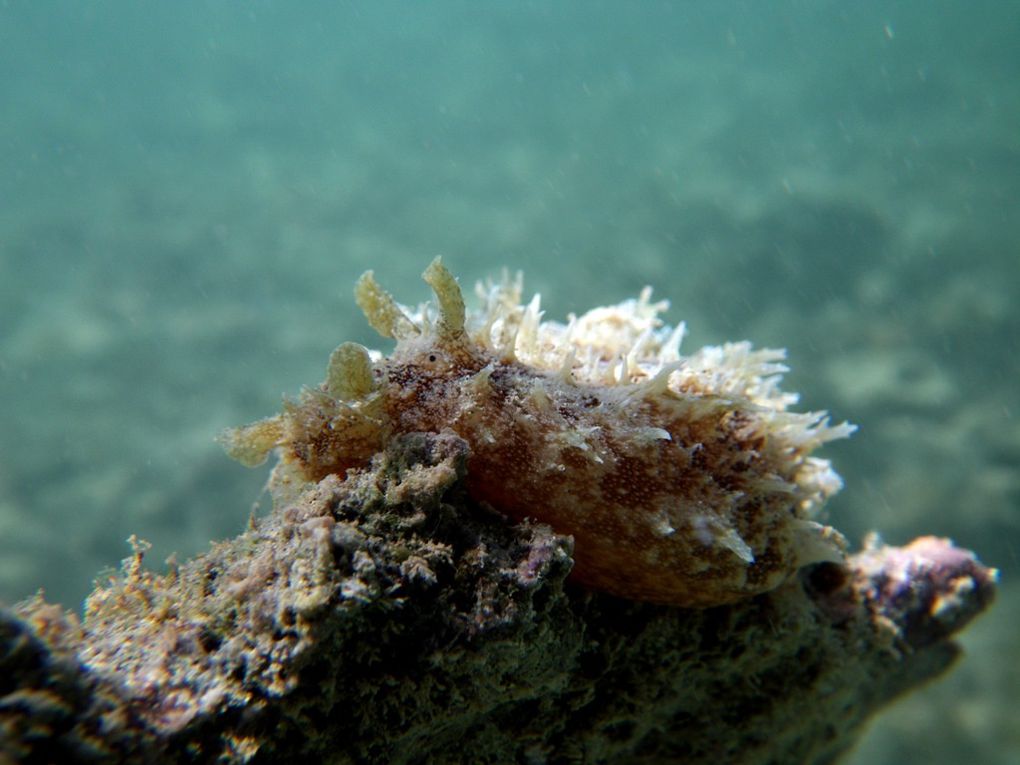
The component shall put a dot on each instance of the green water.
(188, 191)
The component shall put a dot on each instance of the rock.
(388, 618)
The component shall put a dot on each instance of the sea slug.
(683, 480)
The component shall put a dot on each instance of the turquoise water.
(188, 191)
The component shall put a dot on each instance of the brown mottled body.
(643, 509)
(673, 492)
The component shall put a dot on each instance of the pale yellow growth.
(251, 444)
(381, 310)
(349, 374)
(449, 297)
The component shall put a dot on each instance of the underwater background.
(189, 190)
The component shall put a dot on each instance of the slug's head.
(389, 320)
(344, 422)
(428, 351)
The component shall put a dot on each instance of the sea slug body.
(683, 479)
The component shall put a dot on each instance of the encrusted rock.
(388, 618)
